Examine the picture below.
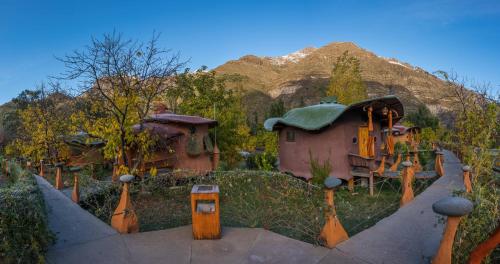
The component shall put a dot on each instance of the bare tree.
(123, 77)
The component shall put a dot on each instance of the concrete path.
(411, 235)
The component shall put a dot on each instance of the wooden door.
(363, 141)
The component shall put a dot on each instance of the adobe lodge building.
(342, 135)
(183, 142)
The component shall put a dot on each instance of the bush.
(319, 171)
(24, 232)
(264, 161)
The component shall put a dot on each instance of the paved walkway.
(411, 235)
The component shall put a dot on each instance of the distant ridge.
(301, 78)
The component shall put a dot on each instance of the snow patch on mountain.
(396, 62)
(293, 57)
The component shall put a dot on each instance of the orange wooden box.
(205, 212)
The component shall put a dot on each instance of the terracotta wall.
(180, 158)
(185, 161)
(334, 142)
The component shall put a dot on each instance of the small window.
(290, 136)
(374, 139)
(192, 129)
(354, 140)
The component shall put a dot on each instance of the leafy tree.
(423, 118)
(120, 80)
(346, 82)
(473, 134)
(43, 124)
(204, 94)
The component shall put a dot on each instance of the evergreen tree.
(277, 109)
(346, 82)
(423, 118)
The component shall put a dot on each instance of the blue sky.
(463, 36)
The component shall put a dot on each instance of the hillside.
(301, 78)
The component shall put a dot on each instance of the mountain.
(301, 78)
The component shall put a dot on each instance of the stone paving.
(411, 235)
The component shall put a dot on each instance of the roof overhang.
(327, 114)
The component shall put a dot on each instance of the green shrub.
(24, 232)
(262, 161)
(319, 171)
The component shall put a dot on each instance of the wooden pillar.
(485, 248)
(407, 184)
(454, 208)
(42, 172)
(394, 166)
(333, 232)
(124, 219)
(59, 181)
(371, 139)
(467, 183)
(75, 195)
(390, 139)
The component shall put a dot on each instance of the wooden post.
(379, 171)
(92, 171)
(485, 248)
(114, 176)
(42, 172)
(416, 163)
(215, 158)
(467, 183)
(75, 195)
(350, 184)
(454, 208)
(59, 181)
(333, 232)
(124, 219)
(407, 184)
(394, 166)
(439, 163)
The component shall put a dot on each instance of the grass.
(273, 201)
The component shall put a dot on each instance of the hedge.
(24, 232)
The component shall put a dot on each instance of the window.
(374, 139)
(354, 140)
(192, 129)
(290, 136)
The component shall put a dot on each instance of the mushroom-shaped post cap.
(407, 163)
(453, 206)
(466, 168)
(75, 169)
(58, 164)
(127, 178)
(332, 182)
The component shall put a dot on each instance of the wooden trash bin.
(205, 212)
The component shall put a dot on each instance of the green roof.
(318, 116)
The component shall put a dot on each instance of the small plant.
(319, 171)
